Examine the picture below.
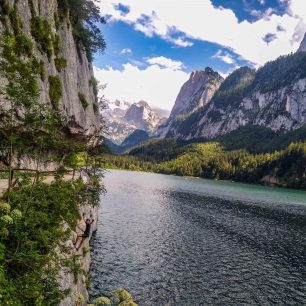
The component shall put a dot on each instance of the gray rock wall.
(66, 278)
(194, 94)
(74, 78)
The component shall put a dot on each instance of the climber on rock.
(86, 232)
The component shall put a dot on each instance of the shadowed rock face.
(302, 47)
(194, 94)
(75, 77)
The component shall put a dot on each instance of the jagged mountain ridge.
(274, 96)
(194, 94)
(123, 118)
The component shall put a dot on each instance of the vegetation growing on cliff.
(84, 16)
(36, 217)
(42, 33)
(83, 100)
(55, 90)
(30, 244)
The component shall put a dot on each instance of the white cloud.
(125, 51)
(165, 62)
(224, 56)
(158, 86)
(195, 19)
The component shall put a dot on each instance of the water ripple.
(171, 241)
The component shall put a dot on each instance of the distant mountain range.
(274, 97)
(208, 106)
(123, 118)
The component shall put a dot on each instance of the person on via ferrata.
(85, 234)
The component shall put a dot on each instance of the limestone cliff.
(66, 83)
(62, 61)
(78, 285)
(194, 94)
(274, 97)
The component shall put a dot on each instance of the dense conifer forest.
(250, 154)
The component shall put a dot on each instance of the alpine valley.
(244, 127)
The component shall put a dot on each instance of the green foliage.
(281, 72)
(39, 68)
(75, 160)
(234, 87)
(24, 45)
(123, 298)
(102, 301)
(83, 100)
(258, 139)
(57, 21)
(15, 20)
(55, 90)
(60, 63)
(57, 45)
(118, 297)
(22, 87)
(32, 214)
(30, 263)
(94, 83)
(167, 149)
(210, 160)
(84, 16)
(42, 33)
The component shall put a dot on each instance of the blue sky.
(153, 45)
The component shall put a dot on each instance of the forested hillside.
(285, 167)
(250, 154)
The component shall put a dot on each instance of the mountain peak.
(194, 94)
(142, 103)
(302, 47)
(203, 73)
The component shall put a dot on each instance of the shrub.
(29, 262)
(94, 83)
(42, 33)
(83, 100)
(55, 90)
(60, 63)
(38, 67)
(84, 16)
(95, 107)
(24, 45)
(57, 44)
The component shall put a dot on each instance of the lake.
(181, 241)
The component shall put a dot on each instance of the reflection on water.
(176, 241)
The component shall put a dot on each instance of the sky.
(154, 45)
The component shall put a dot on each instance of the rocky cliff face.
(67, 280)
(142, 116)
(302, 47)
(273, 97)
(66, 77)
(123, 118)
(65, 63)
(194, 94)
